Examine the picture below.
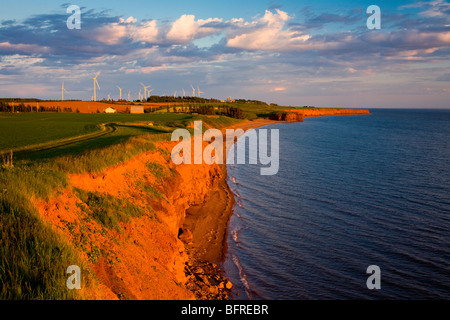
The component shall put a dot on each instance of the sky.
(315, 53)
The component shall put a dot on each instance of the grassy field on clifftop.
(46, 148)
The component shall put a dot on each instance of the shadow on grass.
(121, 134)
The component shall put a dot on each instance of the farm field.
(26, 129)
(93, 106)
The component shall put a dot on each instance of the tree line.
(158, 99)
(21, 107)
(221, 110)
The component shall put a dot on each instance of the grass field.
(25, 129)
(251, 110)
(46, 147)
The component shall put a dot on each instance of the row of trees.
(158, 99)
(21, 107)
(205, 109)
(223, 110)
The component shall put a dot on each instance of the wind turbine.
(109, 96)
(128, 95)
(140, 95)
(145, 89)
(193, 91)
(184, 93)
(120, 89)
(175, 94)
(62, 91)
(199, 92)
(96, 83)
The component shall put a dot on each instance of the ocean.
(351, 192)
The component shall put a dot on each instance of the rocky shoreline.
(206, 280)
(173, 251)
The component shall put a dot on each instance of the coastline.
(205, 231)
(206, 225)
(173, 250)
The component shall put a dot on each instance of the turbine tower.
(96, 83)
(120, 89)
(128, 95)
(193, 91)
(145, 89)
(184, 93)
(62, 91)
(199, 92)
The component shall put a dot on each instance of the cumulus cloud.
(186, 28)
(275, 45)
(111, 33)
(183, 30)
(266, 33)
(129, 20)
(146, 32)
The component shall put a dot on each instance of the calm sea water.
(351, 192)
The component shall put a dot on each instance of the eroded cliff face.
(328, 112)
(299, 114)
(287, 116)
(137, 257)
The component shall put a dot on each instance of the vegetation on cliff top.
(39, 150)
(33, 258)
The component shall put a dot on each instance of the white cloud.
(19, 60)
(129, 20)
(145, 32)
(111, 33)
(186, 28)
(114, 33)
(278, 89)
(266, 33)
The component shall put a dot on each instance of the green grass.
(33, 258)
(26, 129)
(251, 111)
(108, 210)
(158, 170)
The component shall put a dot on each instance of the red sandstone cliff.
(144, 259)
(295, 115)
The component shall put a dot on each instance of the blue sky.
(287, 52)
